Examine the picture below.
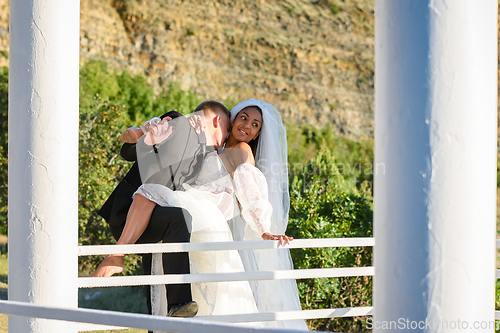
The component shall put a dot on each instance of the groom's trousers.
(169, 225)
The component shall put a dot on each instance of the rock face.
(312, 59)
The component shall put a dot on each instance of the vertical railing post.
(436, 151)
(43, 158)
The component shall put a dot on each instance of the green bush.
(4, 94)
(354, 159)
(101, 167)
(321, 208)
(96, 79)
(137, 95)
(174, 98)
(334, 8)
(497, 294)
(132, 91)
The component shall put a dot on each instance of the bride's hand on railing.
(282, 238)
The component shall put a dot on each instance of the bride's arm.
(251, 191)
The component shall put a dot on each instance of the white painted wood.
(291, 315)
(43, 158)
(178, 247)
(435, 161)
(274, 316)
(137, 280)
(236, 245)
(116, 319)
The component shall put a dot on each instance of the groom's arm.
(128, 150)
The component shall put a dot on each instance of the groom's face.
(218, 128)
(223, 132)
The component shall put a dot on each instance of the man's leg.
(170, 225)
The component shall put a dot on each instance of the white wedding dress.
(211, 201)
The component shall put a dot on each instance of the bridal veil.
(271, 159)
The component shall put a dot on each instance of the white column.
(435, 164)
(43, 158)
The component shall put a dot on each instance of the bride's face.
(246, 125)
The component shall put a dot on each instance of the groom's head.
(217, 120)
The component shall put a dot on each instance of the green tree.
(101, 168)
(133, 91)
(354, 159)
(97, 79)
(4, 110)
(322, 207)
(138, 95)
(174, 98)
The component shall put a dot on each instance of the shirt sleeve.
(251, 191)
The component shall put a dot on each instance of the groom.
(171, 162)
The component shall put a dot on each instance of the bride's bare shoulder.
(240, 153)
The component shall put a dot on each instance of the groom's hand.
(282, 238)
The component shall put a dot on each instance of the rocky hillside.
(312, 59)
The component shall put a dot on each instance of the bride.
(245, 184)
(271, 161)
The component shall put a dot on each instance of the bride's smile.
(247, 124)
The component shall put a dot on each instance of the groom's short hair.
(216, 107)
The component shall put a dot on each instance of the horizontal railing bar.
(88, 250)
(268, 316)
(137, 280)
(291, 315)
(498, 243)
(133, 320)
(497, 315)
(497, 273)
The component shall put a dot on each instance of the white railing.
(111, 319)
(86, 282)
(100, 319)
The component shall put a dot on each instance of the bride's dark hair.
(255, 142)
